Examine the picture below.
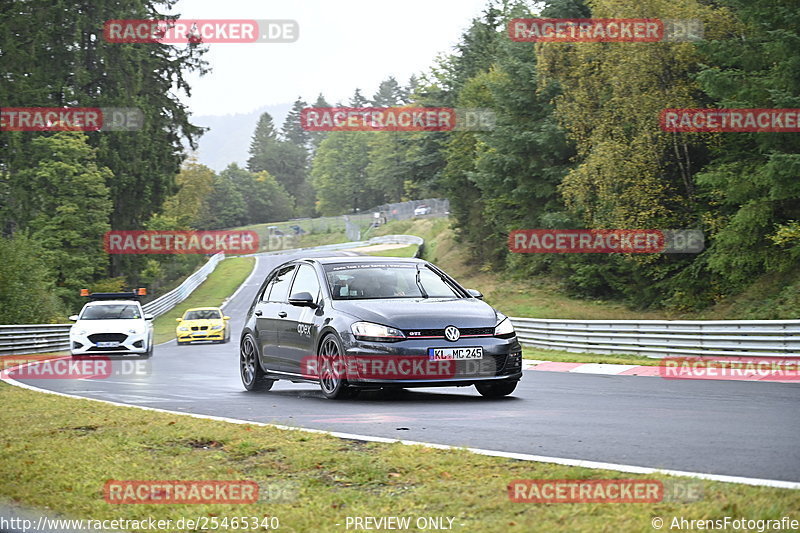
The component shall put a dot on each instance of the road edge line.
(773, 483)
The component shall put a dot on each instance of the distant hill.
(229, 137)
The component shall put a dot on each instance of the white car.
(112, 327)
(422, 210)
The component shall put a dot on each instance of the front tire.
(253, 377)
(330, 362)
(496, 390)
(149, 353)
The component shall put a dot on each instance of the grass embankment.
(405, 251)
(769, 297)
(321, 231)
(60, 463)
(533, 299)
(220, 284)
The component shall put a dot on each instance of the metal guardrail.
(652, 338)
(660, 338)
(164, 303)
(37, 338)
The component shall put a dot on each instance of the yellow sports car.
(203, 324)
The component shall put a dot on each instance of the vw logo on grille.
(451, 333)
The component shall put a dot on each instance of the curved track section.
(726, 430)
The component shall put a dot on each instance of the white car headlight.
(216, 327)
(133, 331)
(183, 328)
(367, 331)
(504, 328)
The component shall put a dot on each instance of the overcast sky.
(343, 44)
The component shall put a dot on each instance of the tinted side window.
(306, 281)
(279, 288)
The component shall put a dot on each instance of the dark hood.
(421, 313)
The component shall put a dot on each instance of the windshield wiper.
(419, 284)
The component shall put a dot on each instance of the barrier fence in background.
(660, 338)
(39, 338)
(652, 338)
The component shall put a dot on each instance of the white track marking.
(480, 451)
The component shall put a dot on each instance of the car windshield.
(202, 314)
(111, 312)
(360, 281)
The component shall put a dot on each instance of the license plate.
(467, 352)
(109, 344)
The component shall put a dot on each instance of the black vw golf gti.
(353, 323)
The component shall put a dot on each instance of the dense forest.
(577, 144)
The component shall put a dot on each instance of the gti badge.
(451, 333)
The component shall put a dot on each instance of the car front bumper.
(91, 344)
(407, 364)
(201, 335)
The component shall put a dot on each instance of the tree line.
(576, 144)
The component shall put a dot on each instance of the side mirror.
(179, 320)
(226, 318)
(148, 316)
(302, 299)
(73, 317)
(475, 294)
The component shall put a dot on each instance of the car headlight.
(367, 331)
(183, 328)
(133, 331)
(504, 329)
(216, 327)
(81, 332)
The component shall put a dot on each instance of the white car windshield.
(111, 312)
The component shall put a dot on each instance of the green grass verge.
(570, 357)
(406, 251)
(61, 462)
(220, 284)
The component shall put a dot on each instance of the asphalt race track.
(731, 428)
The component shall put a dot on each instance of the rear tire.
(253, 377)
(330, 361)
(496, 390)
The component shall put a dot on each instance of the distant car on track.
(203, 324)
(112, 323)
(352, 323)
(422, 210)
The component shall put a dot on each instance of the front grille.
(199, 328)
(439, 333)
(115, 349)
(108, 337)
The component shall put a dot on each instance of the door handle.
(258, 313)
(282, 314)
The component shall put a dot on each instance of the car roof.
(362, 259)
(204, 309)
(110, 302)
